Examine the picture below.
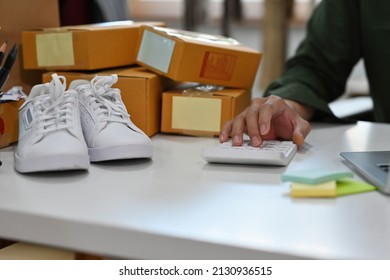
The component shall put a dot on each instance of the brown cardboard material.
(194, 57)
(82, 47)
(17, 16)
(140, 90)
(201, 114)
(9, 122)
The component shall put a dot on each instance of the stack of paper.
(324, 183)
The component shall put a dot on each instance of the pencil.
(3, 47)
(9, 62)
(2, 51)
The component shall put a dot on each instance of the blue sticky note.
(315, 176)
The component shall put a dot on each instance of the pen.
(9, 62)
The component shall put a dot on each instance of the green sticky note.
(349, 186)
(315, 176)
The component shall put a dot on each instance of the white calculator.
(271, 152)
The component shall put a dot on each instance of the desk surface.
(177, 206)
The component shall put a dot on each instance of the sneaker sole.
(59, 163)
(120, 152)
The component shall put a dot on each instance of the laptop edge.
(367, 164)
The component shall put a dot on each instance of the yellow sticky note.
(196, 113)
(55, 49)
(340, 187)
(326, 189)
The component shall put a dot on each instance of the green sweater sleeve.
(318, 72)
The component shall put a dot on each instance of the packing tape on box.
(202, 91)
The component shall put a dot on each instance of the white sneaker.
(50, 134)
(108, 130)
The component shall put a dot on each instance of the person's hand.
(269, 118)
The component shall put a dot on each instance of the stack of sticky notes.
(324, 183)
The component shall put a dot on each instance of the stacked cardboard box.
(195, 57)
(82, 47)
(163, 56)
(201, 113)
(202, 58)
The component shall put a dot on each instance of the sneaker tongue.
(50, 94)
(53, 99)
(39, 90)
(110, 97)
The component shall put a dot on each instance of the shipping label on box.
(186, 56)
(201, 114)
(207, 110)
(55, 49)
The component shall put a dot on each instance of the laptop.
(373, 166)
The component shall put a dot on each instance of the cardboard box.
(9, 122)
(82, 47)
(17, 16)
(194, 57)
(140, 90)
(201, 114)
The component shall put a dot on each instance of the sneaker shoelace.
(106, 100)
(55, 109)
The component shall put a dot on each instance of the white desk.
(178, 207)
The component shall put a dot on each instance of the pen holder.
(9, 122)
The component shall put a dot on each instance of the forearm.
(317, 74)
